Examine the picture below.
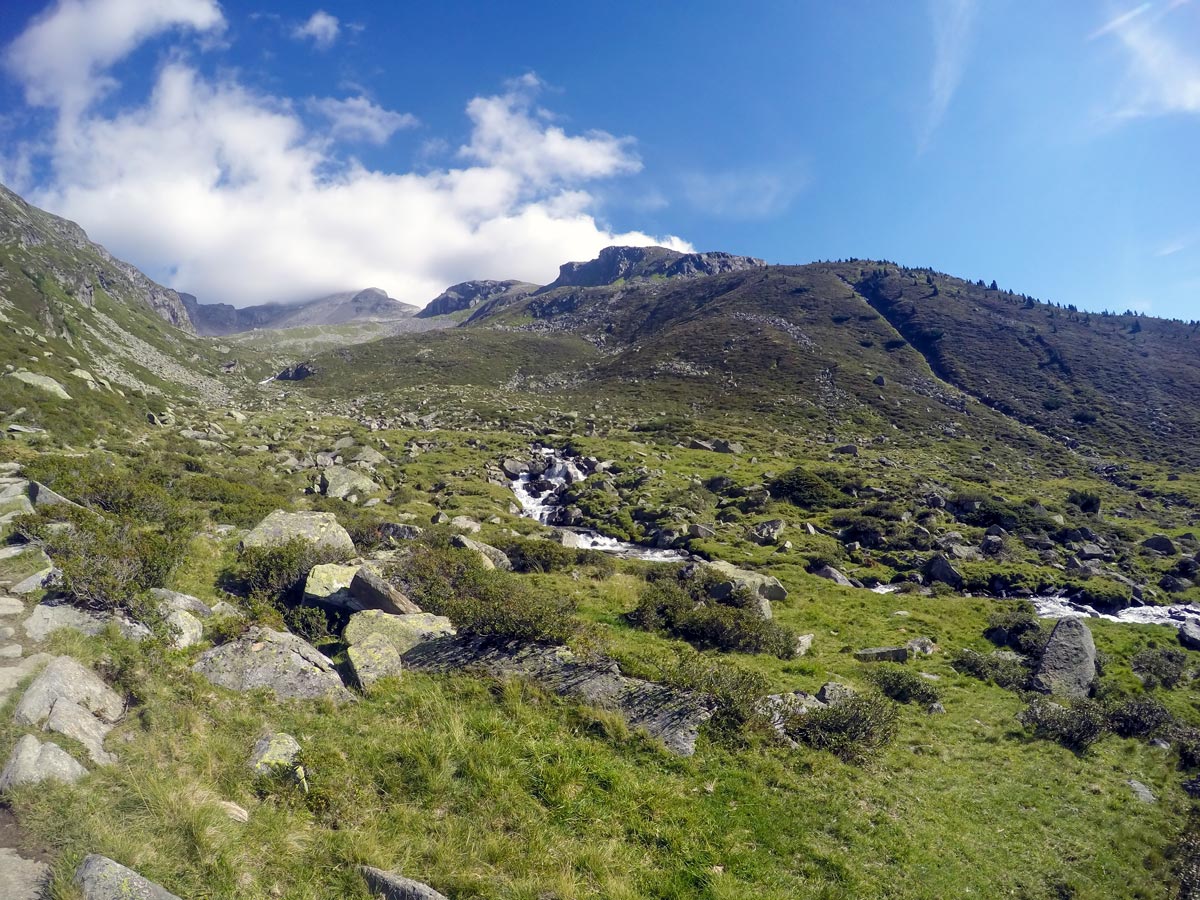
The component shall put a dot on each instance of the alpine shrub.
(904, 685)
(854, 729)
(1076, 727)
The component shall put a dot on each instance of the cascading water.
(539, 494)
(1061, 608)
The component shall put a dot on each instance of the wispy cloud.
(953, 24)
(358, 119)
(754, 193)
(321, 28)
(1163, 72)
(1178, 244)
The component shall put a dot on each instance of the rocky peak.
(626, 263)
(468, 295)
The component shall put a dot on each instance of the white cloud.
(223, 191)
(358, 119)
(321, 27)
(62, 56)
(953, 25)
(743, 193)
(1163, 72)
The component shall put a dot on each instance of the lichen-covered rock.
(329, 584)
(70, 699)
(372, 658)
(100, 878)
(393, 886)
(1068, 664)
(32, 762)
(274, 751)
(404, 632)
(373, 591)
(339, 482)
(320, 529)
(671, 714)
(280, 662)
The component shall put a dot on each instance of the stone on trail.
(404, 632)
(372, 658)
(321, 529)
(100, 878)
(49, 616)
(20, 878)
(68, 698)
(1068, 664)
(281, 662)
(393, 886)
(32, 762)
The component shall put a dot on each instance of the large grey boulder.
(767, 532)
(1068, 664)
(68, 698)
(280, 662)
(372, 658)
(41, 382)
(373, 591)
(20, 878)
(320, 529)
(32, 762)
(491, 557)
(392, 886)
(404, 632)
(339, 482)
(329, 584)
(765, 588)
(49, 616)
(1160, 543)
(940, 569)
(670, 714)
(100, 878)
(831, 574)
(1189, 634)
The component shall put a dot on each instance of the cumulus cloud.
(358, 119)
(321, 28)
(953, 24)
(61, 57)
(1163, 72)
(224, 191)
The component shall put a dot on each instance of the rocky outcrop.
(470, 294)
(403, 632)
(282, 663)
(371, 590)
(616, 263)
(70, 699)
(343, 484)
(32, 762)
(297, 372)
(671, 714)
(1068, 664)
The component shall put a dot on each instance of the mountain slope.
(371, 304)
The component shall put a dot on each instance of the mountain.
(88, 339)
(469, 294)
(371, 304)
(631, 263)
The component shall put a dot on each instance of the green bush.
(904, 685)
(736, 693)
(277, 573)
(803, 488)
(547, 556)
(733, 625)
(854, 729)
(1017, 626)
(1138, 717)
(310, 622)
(1186, 739)
(1006, 673)
(1076, 727)
(1159, 666)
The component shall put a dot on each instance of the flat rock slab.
(670, 714)
(329, 584)
(393, 886)
(49, 616)
(11, 606)
(70, 699)
(404, 632)
(282, 663)
(32, 762)
(100, 878)
(320, 529)
(882, 654)
(11, 676)
(21, 879)
(1068, 664)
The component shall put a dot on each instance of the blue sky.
(251, 152)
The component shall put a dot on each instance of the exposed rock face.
(491, 557)
(72, 700)
(284, 664)
(47, 617)
(469, 294)
(670, 714)
(298, 372)
(99, 878)
(21, 879)
(41, 382)
(317, 528)
(1160, 543)
(1068, 664)
(32, 762)
(615, 263)
(765, 588)
(940, 569)
(393, 886)
(373, 591)
(831, 574)
(1189, 634)
(329, 584)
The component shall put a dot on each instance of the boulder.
(47, 617)
(393, 886)
(182, 602)
(329, 584)
(882, 654)
(32, 762)
(921, 646)
(373, 591)
(833, 693)
(1068, 664)
(940, 569)
(320, 529)
(339, 482)
(186, 629)
(99, 878)
(274, 751)
(70, 699)
(41, 496)
(282, 663)
(831, 574)
(404, 632)
(491, 557)
(804, 643)
(41, 382)
(1160, 543)
(765, 587)
(370, 456)
(767, 532)
(465, 523)
(372, 658)
(20, 878)
(514, 468)
(1189, 634)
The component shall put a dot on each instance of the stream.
(542, 505)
